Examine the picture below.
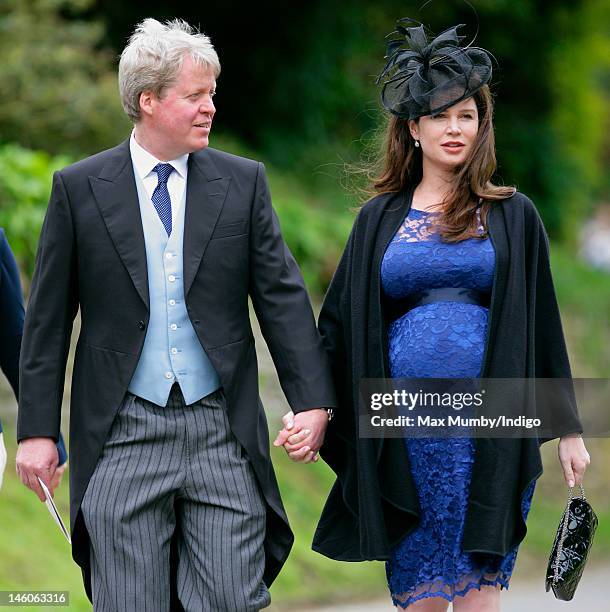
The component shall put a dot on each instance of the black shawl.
(373, 503)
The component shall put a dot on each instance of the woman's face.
(446, 139)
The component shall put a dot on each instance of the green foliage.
(58, 88)
(320, 97)
(584, 295)
(25, 184)
(580, 118)
(304, 94)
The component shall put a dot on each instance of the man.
(160, 241)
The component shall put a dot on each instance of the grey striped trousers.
(181, 469)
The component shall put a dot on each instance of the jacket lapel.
(117, 199)
(206, 191)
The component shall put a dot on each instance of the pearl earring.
(417, 143)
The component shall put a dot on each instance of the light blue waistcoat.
(172, 351)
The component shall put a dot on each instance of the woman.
(11, 331)
(445, 275)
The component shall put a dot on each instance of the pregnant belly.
(439, 340)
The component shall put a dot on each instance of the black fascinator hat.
(426, 76)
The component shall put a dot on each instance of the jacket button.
(141, 324)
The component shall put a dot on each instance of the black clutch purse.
(571, 546)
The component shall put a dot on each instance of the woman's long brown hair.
(401, 165)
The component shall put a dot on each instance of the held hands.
(38, 457)
(303, 434)
(573, 457)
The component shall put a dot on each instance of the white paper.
(53, 510)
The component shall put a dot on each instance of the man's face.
(181, 119)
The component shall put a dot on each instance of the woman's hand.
(2, 458)
(574, 458)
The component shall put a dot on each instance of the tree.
(57, 84)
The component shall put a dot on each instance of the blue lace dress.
(439, 340)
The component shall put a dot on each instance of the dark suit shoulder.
(92, 165)
(222, 158)
(215, 163)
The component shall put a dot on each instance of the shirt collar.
(144, 162)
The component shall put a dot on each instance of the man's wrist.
(329, 411)
(575, 434)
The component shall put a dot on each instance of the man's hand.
(2, 458)
(303, 434)
(37, 457)
(573, 457)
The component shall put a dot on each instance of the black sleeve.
(283, 310)
(51, 310)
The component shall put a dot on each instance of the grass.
(310, 577)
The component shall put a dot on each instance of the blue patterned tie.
(160, 197)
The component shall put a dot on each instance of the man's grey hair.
(153, 58)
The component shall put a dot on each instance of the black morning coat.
(91, 255)
(373, 503)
